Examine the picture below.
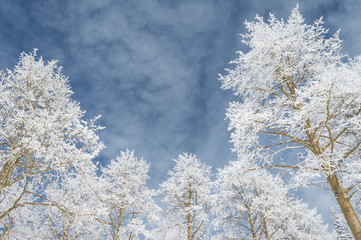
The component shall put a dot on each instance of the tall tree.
(299, 90)
(187, 193)
(256, 205)
(128, 201)
(42, 134)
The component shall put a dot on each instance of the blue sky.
(150, 68)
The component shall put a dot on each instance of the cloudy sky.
(150, 68)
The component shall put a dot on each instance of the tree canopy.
(297, 88)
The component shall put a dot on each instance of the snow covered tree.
(81, 205)
(299, 93)
(187, 193)
(42, 135)
(126, 198)
(70, 208)
(256, 205)
(340, 228)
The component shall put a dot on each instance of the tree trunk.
(189, 227)
(341, 194)
(344, 201)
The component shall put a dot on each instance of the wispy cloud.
(150, 69)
